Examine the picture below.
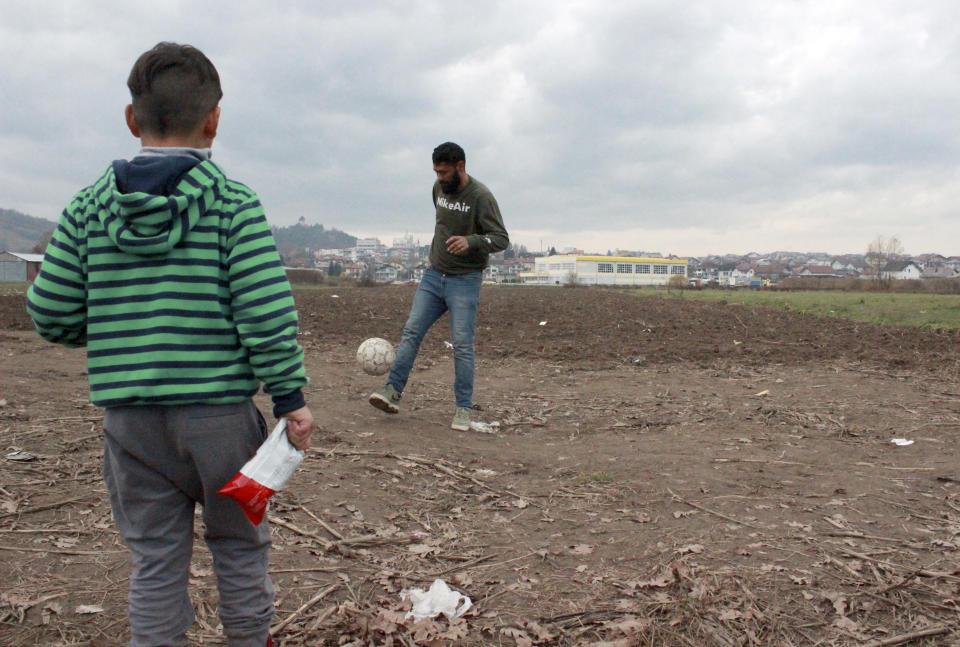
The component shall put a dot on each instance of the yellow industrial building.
(603, 270)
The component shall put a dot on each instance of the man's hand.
(299, 427)
(458, 245)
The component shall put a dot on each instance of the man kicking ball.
(468, 229)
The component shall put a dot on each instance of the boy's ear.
(211, 122)
(131, 121)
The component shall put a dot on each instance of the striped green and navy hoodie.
(177, 291)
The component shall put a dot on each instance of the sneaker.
(386, 399)
(461, 419)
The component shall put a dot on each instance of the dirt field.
(662, 473)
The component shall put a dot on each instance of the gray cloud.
(706, 127)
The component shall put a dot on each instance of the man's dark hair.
(448, 153)
(173, 88)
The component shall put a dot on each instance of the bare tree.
(41, 246)
(880, 253)
(368, 278)
(677, 282)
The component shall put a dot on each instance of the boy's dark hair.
(448, 153)
(173, 88)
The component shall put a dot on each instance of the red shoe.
(269, 641)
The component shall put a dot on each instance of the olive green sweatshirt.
(470, 211)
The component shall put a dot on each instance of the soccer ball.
(375, 356)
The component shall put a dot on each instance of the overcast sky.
(707, 126)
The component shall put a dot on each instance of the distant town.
(331, 252)
(405, 259)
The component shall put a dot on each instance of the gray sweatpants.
(159, 462)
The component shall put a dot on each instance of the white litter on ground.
(20, 456)
(439, 599)
(484, 427)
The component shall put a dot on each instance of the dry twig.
(709, 511)
(326, 543)
(903, 638)
(309, 603)
(41, 508)
(323, 524)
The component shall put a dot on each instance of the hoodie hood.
(149, 204)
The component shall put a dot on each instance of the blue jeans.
(438, 293)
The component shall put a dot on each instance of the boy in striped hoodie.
(167, 272)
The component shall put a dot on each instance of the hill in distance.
(20, 232)
(302, 235)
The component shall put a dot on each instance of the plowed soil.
(652, 472)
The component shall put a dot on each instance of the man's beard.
(452, 185)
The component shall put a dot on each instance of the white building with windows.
(368, 247)
(604, 270)
(406, 242)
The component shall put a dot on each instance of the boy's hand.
(299, 427)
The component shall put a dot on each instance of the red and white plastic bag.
(264, 474)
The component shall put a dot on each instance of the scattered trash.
(764, 392)
(737, 343)
(334, 296)
(543, 323)
(21, 456)
(448, 344)
(85, 609)
(419, 534)
(484, 427)
(901, 442)
(439, 599)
